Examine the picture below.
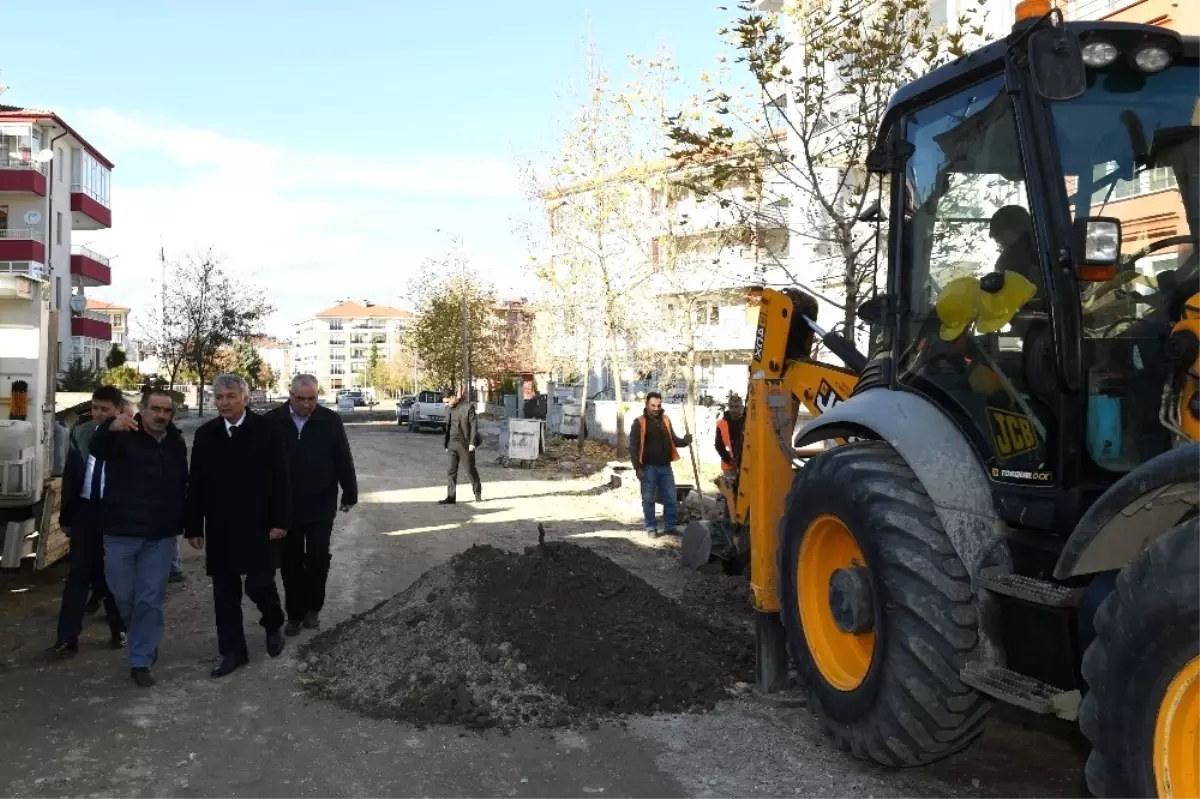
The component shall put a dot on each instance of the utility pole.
(461, 263)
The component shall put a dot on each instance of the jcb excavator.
(1009, 509)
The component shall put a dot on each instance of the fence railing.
(8, 161)
(79, 249)
(21, 234)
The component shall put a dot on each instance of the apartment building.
(54, 186)
(335, 344)
(704, 252)
(118, 320)
(277, 355)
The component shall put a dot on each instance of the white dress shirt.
(230, 425)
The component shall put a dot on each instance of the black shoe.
(63, 649)
(479, 497)
(142, 676)
(228, 665)
(672, 531)
(446, 501)
(275, 643)
(118, 641)
(655, 533)
(292, 628)
(312, 621)
(175, 576)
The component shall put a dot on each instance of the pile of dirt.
(552, 637)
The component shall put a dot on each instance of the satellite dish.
(78, 303)
(44, 156)
(33, 218)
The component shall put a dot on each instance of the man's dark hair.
(448, 393)
(1012, 218)
(157, 392)
(110, 394)
(653, 395)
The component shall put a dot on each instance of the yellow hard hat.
(996, 309)
(957, 306)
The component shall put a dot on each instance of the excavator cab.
(1010, 512)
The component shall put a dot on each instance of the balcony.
(91, 324)
(21, 175)
(88, 212)
(22, 244)
(90, 267)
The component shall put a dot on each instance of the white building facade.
(335, 345)
(54, 190)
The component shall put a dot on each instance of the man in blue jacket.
(143, 494)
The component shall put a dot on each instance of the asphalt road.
(80, 727)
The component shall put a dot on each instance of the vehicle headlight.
(1151, 58)
(1098, 53)
(1103, 242)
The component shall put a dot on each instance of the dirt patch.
(555, 636)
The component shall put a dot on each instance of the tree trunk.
(850, 271)
(689, 409)
(614, 365)
(583, 401)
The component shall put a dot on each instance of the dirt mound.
(550, 637)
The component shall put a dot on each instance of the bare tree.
(215, 310)
(825, 88)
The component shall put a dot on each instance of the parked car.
(354, 395)
(404, 408)
(428, 411)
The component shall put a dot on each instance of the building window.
(58, 293)
(58, 226)
(1146, 181)
(62, 166)
(335, 324)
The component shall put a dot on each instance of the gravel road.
(80, 728)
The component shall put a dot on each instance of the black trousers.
(459, 453)
(86, 574)
(305, 568)
(227, 605)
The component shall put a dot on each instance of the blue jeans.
(659, 480)
(136, 570)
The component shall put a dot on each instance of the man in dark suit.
(319, 461)
(462, 437)
(239, 503)
(78, 517)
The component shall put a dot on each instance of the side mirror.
(872, 311)
(1097, 247)
(1056, 61)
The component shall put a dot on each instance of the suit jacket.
(462, 425)
(319, 460)
(238, 490)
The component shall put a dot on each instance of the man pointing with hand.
(239, 505)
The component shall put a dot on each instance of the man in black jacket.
(142, 490)
(319, 461)
(653, 447)
(462, 437)
(79, 521)
(239, 503)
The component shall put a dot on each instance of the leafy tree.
(116, 357)
(123, 376)
(436, 333)
(79, 376)
(833, 65)
(248, 364)
(374, 375)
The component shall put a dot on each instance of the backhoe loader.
(1009, 508)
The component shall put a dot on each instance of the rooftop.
(101, 305)
(17, 113)
(348, 309)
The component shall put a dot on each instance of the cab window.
(977, 340)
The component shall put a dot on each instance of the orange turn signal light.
(1096, 274)
(1032, 9)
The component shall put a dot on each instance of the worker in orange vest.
(729, 434)
(653, 447)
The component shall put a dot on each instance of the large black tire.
(1146, 630)
(911, 708)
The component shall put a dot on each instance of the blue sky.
(314, 146)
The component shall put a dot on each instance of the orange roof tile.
(101, 305)
(353, 310)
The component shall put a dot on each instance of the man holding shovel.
(653, 447)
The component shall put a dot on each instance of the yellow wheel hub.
(1177, 735)
(828, 552)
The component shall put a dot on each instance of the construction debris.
(556, 636)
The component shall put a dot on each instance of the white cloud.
(309, 228)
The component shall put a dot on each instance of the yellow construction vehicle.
(1010, 508)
